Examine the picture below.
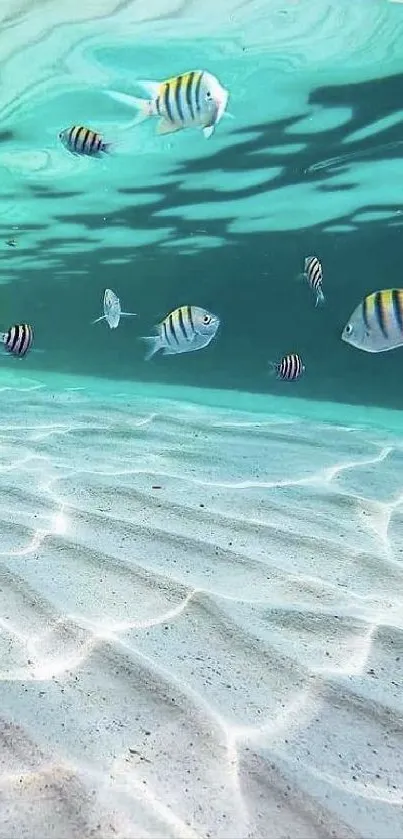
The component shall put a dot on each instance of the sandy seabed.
(201, 619)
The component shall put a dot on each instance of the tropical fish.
(11, 243)
(376, 324)
(289, 368)
(186, 329)
(192, 99)
(18, 339)
(81, 140)
(313, 274)
(112, 311)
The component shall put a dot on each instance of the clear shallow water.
(201, 611)
(311, 163)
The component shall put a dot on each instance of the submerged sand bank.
(201, 621)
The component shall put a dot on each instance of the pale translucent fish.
(112, 310)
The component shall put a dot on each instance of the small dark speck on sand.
(156, 487)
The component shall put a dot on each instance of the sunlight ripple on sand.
(201, 623)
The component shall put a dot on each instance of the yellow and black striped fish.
(191, 99)
(186, 329)
(18, 339)
(81, 140)
(182, 101)
(289, 368)
(376, 324)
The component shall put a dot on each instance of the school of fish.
(197, 99)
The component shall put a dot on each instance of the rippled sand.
(201, 621)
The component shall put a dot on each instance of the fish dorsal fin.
(165, 127)
(184, 76)
(151, 87)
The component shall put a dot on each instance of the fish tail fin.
(153, 344)
(143, 106)
(320, 298)
(300, 276)
(98, 319)
(107, 147)
(273, 368)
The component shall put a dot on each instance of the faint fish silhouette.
(112, 311)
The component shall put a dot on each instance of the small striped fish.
(186, 329)
(376, 324)
(289, 368)
(192, 99)
(112, 310)
(313, 274)
(18, 339)
(81, 140)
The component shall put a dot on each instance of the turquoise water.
(201, 623)
(310, 162)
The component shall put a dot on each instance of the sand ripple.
(201, 629)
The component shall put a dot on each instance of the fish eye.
(208, 95)
(349, 329)
(206, 319)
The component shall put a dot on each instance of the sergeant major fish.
(18, 339)
(186, 329)
(112, 310)
(313, 274)
(83, 141)
(192, 99)
(376, 324)
(289, 368)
